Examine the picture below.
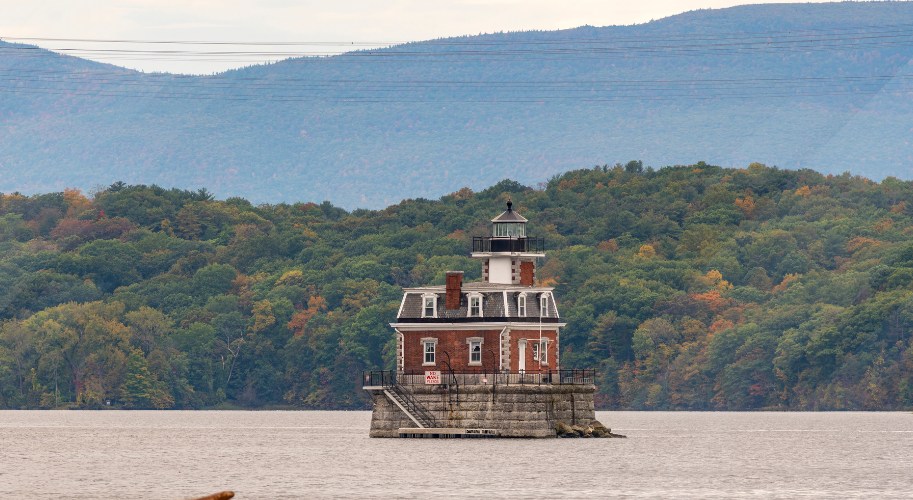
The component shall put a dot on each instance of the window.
(475, 305)
(430, 347)
(429, 306)
(540, 350)
(543, 306)
(475, 352)
(510, 230)
(521, 305)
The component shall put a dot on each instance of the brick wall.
(454, 342)
(532, 336)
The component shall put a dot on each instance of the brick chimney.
(527, 272)
(454, 288)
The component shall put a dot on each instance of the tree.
(141, 389)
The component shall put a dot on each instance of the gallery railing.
(486, 244)
(388, 378)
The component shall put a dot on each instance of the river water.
(178, 454)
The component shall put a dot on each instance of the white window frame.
(469, 306)
(535, 349)
(425, 352)
(477, 341)
(433, 298)
(509, 230)
(521, 305)
(543, 349)
(543, 305)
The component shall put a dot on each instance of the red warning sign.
(433, 377)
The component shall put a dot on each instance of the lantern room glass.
(509, 230)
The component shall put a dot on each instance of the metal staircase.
(413, 409)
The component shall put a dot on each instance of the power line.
(902, 39)
(41, 75)
(126, 83)
(503, 38)
(533, 94)
(776, 40)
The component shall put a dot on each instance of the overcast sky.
(376, 21)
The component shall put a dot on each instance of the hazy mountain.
(826, 86)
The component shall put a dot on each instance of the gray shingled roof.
(493, 304)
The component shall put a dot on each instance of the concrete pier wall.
(513, 411)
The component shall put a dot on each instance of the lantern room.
(509, 224)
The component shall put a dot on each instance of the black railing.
(379, 378)
(417, 409)
(514, 245)
(389, 378)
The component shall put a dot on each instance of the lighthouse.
(481, 358)
(509, 255)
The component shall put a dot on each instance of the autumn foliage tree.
(689, 287)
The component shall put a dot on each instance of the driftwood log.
(222, 495)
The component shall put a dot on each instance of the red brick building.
(504, 323)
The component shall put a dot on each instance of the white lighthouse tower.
(509, 254)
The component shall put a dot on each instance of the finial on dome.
(509, 205)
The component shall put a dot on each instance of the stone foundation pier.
(524, 411)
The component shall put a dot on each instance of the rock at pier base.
(594, 429)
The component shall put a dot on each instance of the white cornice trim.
(402, 304)
(468, 287)
(475, 325)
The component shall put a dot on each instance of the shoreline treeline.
(688, 287)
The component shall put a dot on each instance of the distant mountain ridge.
(823, 86)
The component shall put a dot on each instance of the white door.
(522, 345)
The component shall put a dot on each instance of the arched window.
(475, 305)
(429, 305)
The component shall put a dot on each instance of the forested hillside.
(824, 86)
(691, 287)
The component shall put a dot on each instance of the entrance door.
(522, 359)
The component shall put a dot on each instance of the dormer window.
(543, 305)
(521, 305)
(475, 305)
(429, 305)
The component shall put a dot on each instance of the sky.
(316, 27)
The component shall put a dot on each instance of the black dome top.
(509, 215)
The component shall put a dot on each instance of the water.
(174, 455)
